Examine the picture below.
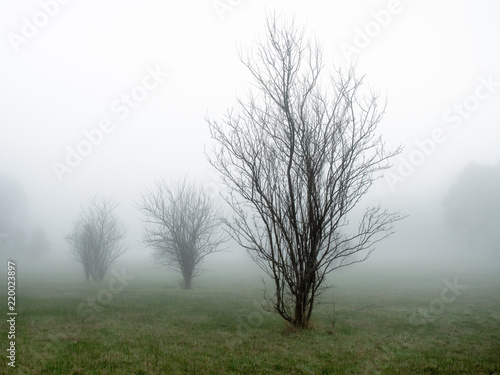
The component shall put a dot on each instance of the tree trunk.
(188, 276)
(300, 317)
(187, 282)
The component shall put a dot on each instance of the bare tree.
(472, 206)
(182, 224)
(297, 158)
(95, 238)
(13, 216)
(39, 243)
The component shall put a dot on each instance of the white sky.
(429, 57)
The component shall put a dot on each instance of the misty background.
(428, 59)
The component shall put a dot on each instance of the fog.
(148, 74)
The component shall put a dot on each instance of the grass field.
(151, 326)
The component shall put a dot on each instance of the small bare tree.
(182, 226)
(95, 238)
(297, 158)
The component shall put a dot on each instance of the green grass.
(154, 327)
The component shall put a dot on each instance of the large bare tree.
(182, 226)
(297, 157)
(96, 237)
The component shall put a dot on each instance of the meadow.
(376, 323)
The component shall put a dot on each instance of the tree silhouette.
(182, 226)
(472, 205)
(95, 238)
(297, 157)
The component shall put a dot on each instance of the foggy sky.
(436, 63)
